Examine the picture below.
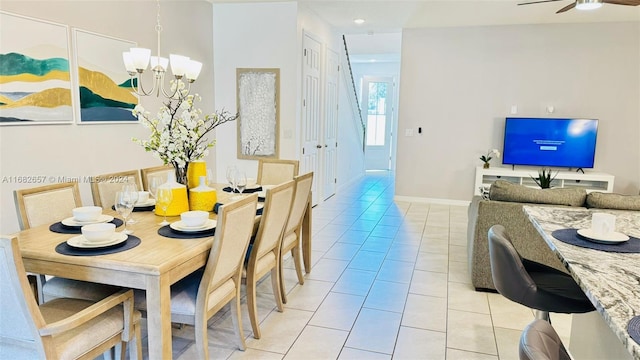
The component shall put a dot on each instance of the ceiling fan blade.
(568, 7)
(538, 2)
(623, 2)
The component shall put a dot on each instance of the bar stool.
(539, 341)
(532, 284)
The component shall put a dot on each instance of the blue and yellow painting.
(34, 71)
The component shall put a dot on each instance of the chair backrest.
(539, 341)
(162, 170)
(46, 204)
(300, 199)
(507, 270)
(233, 231)
(275, 214)
(105, 186)
(20, 317)
(274, 171)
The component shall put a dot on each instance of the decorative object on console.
(137, 59)
(545, 178)
(178, 133)
(487, 158)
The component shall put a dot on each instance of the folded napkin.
(246, 191)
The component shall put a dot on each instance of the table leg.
(306, 237)
(159, 318)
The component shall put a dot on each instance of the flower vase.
(181, 174)
(179, 202)
(195, 170)
(486, 165)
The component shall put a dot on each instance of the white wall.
(85, 150)
(255, 35)
(458, 84)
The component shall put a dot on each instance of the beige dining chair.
(105, 186)
(200, 295)
(154, 171)
(47, 205)
(61, 328)
(264, 252)
(291, 239)
(276, 171)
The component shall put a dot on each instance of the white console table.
(590, 181)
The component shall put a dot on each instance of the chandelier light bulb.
(128, 62)
(193, 70)
(178, 64)
(162, 62)
(140, 57)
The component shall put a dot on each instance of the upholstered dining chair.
(276, 171)
(61, 328)
(540, 341)
(46, 205)
(161, 170)
(291, 239)
(105, 186)
(264, 252)
(532, 284)
(197, 297)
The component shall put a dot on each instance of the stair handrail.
(358, 113)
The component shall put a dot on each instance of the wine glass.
(154, 182)
(132, 190)
(164, 195)
(124, 207)
(231, 174)
(211, 182)
(241, 181)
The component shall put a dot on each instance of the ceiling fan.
(587, 4)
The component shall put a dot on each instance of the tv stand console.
(591, 181)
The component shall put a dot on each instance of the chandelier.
(185, 70)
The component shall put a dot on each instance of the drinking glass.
(164, 195)
(211, 182)
(124, 207)
(132, 190)
(241, 181)
(231, 174)
(154, 182)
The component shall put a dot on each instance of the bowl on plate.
(86, 213)
(194, 218)
(98, 232)
(143, 197)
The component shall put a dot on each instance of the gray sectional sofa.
(504, 206)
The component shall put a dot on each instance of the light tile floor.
(389, 280)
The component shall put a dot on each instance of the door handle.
(319, 146)
(325, 145)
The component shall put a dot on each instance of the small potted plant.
(544, 178)
(487, 158)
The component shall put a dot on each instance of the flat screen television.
(567, 143)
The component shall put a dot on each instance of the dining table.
(153, 265)
(607, 269)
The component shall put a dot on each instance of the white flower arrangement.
(178, 132)
(490, 153)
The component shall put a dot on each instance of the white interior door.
(331, 125)
(377, 106)
(311, 146)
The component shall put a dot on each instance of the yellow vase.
(179, 201)
(202, 197)
(194, 171)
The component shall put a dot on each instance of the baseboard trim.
(432, 200)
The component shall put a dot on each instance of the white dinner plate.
(612, 238)
(73, 222)
(149, 202)
(80, 242)
(179, 226)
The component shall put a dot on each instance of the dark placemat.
(570, 236)
(64, 229)
(138, 208)
(131, 242)
(633, 328)
(167, 231)
(217, 206)
(246, 191)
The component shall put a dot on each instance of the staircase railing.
(351, 84)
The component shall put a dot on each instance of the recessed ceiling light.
(358, 21)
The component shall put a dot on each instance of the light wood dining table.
(152, 266)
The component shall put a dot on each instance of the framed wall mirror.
(259, 109)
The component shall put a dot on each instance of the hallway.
(389, 279)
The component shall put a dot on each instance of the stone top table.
(610, 280)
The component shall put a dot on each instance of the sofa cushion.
(502, 190)
(613, 201)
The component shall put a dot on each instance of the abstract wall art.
(258, 109)
(35, 84)
(103, 85)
